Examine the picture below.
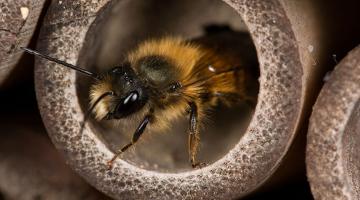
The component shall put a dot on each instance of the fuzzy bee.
(168, 78)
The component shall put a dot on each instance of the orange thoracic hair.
(184, 55)
(200, 69)
(207, 77)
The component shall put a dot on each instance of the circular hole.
(121, 27)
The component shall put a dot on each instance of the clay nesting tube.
(332, 155)
(18, 22)
(30, 166)
(70, 29)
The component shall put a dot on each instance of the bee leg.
(138, 132)
(194, 135)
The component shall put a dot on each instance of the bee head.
(129, 94)
(121, 92)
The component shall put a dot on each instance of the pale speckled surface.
(333, 136)
(31, 168)
(242, 170)
(15, 31)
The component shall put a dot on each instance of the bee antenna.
(88, 113)
(86, 72)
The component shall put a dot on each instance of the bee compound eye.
(128, 105)
(131, 98)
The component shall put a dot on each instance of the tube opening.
(120, 28)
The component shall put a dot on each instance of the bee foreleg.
(194, 135)
(138, 132)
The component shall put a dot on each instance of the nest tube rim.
(225, 178)
(326, 156)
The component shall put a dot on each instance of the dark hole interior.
(119, 29)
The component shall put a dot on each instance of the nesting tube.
(18, 22)
(286, 71)
(30, 166)
(332, 154)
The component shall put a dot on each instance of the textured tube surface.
(31, 168)
(244, 168)
(18, 21)
(332, 154)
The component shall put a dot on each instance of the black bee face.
(154, 79)
(130, 92)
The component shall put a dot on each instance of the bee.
(163, 80)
